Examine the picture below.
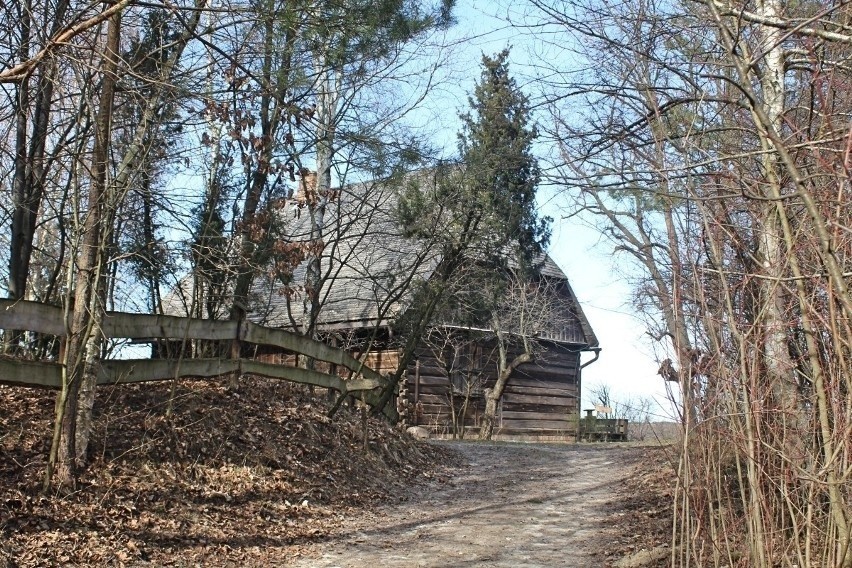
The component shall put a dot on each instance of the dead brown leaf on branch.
(229, 477)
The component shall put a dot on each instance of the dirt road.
(512, 505)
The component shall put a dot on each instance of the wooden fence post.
(238, 314)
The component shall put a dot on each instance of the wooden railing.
(594, 429)
(49, 320)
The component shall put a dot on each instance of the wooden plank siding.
(541, 399)
(383, 361)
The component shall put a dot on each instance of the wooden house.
(367, 271)
(455, 366)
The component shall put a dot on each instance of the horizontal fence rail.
(41, 318)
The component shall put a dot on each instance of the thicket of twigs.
(765, 467)
(711, 141)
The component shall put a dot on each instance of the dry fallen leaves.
(642, 509)
(247, 477)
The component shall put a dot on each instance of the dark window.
(467, 371)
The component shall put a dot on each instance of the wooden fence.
(594, 429)
(49, 320)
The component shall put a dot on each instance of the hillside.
(229, 478)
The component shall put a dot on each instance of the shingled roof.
(368, 263)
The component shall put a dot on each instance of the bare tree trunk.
(779, 367)
(273, 111)
(83, 334)
(18, 259)
(327, 102)
(493, 395)
(28, 179)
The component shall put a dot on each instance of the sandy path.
(514, 505)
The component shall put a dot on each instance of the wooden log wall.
(383, 362)
(541, 399)
(428, 388)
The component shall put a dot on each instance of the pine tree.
(501, 176)
(484, 209)
(479, 213)
(501, 173)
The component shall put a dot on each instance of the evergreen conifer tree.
(501, 173)
(478, 214)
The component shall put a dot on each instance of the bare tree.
(526, 308)
(455, 348)
(83, 341)
(711, 155)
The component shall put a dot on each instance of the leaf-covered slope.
(229, 478)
